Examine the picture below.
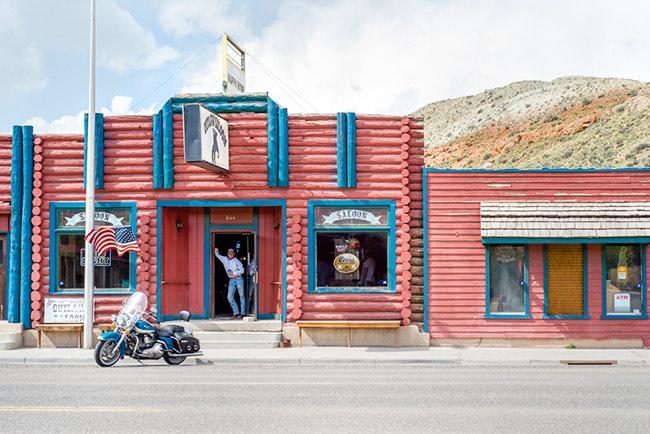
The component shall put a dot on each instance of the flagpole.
(90, 193)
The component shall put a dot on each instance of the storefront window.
(507, 282)
(352, 248)
(348, 259)
(111, 271)
(624, 280)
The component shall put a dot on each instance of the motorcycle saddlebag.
(187, 344)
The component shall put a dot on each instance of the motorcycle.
(139, 339)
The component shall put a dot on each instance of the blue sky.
(369, 56)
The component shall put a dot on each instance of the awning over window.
(564, 220)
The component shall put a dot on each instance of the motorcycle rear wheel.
(103, 355)
(173, 360)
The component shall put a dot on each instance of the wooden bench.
(353, 324)
(56, 328)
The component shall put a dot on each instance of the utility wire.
(188, 63)
(273, 76)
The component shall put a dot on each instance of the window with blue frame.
(352, 246)
(112, 272)
(507, 280)
(624, 280)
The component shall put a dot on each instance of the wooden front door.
(183, 253)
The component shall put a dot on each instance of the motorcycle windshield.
(135, 305)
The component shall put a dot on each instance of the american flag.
(107, 238)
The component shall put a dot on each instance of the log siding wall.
(389, 164)
(456, 256)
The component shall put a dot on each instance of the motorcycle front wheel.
(103, 355)
(173, 360)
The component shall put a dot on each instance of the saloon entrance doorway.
(192, 278)
(243, 243)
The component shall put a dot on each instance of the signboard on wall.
(99, 260)
(205, 136)
(64, 310)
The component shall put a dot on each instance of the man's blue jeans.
(237, 283)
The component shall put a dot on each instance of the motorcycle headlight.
(122, 320)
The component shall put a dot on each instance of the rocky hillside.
(568, 122)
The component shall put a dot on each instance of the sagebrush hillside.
(568, 122)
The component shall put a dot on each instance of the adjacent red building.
(554, 256)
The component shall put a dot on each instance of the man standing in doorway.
(235, 270)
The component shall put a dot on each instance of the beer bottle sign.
(622, 271)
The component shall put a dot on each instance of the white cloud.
(183, 18)
(71, 124)
(22, 68)
(390, 57)
(123, 44)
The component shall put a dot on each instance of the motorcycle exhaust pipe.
(187, 355)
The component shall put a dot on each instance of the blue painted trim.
(341, 151)
(99, 149)
(272, 144)
(158, 181)
(26, 229)
(284, 263)
(425, 243)
(585, 307)
(85, 147)
(283, 154)
(508, 316)
(160, 204)
(221, 203)
(13, 275)
(168, 145)
(311, 241)
(644, 312)
(488, 313)
(230, 107)
(544, 170)
(54, 253)
(351, 148)
(99, 153)
(605, 240)
(233, 227)
(221, 98)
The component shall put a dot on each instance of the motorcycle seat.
(169, 330)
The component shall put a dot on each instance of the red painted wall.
(456, 256)
(385, 168)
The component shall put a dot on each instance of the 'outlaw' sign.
(206, 138)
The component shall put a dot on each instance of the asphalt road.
(261, 399)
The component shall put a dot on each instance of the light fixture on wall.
(179, 224)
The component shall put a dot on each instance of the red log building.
(301, 193)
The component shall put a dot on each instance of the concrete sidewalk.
(312, 356)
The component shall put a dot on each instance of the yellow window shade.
(565, 279)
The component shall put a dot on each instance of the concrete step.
(213, 345)
(10, 341)
(8, 327)
(236, 325)
(238, 336)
